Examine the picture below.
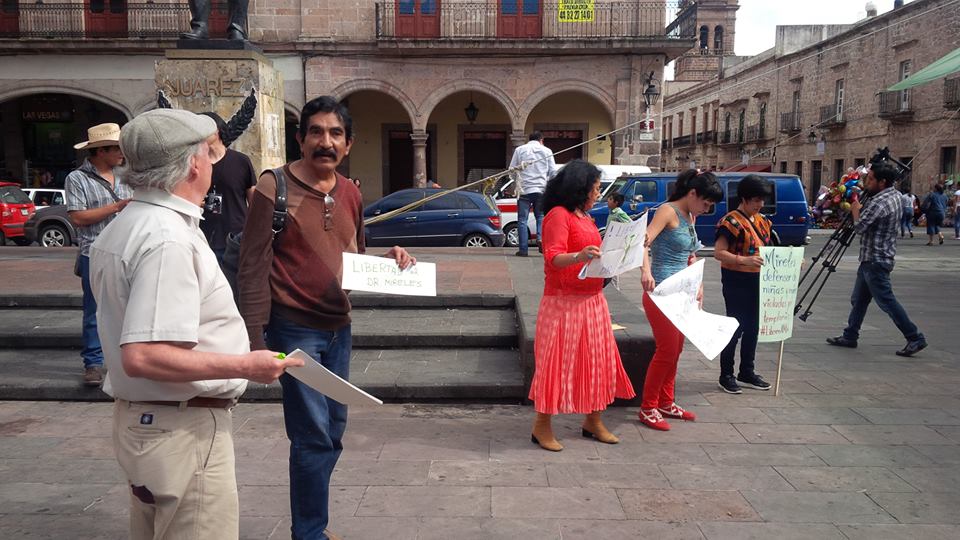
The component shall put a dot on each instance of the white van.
(507, 202)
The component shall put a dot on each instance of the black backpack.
(231, 254)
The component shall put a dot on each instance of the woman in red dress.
(578, 368)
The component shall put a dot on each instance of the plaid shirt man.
(85, 192)
(878, 227)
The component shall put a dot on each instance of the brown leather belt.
(208, 402)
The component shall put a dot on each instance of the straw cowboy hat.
(101, 135)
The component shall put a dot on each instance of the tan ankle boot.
(593, 428)
(543, 434)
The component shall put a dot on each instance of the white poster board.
(676, 297)
(621, 250)
(382, 275)
(328, 383)
(779, 281)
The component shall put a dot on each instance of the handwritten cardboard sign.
(382, 275)
(779, 281)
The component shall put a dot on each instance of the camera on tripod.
(883, 156)
(213, 203)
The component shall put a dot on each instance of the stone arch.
(467, 85)
(357, 85)
(7, 95)
(547, 90)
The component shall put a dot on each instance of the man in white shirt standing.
(175, 346)
(538, 167)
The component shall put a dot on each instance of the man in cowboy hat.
(95, 195)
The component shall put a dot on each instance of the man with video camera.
(877, 221)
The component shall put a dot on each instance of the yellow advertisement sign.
(572, 11)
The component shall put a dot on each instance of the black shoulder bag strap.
(103, 183)
(279, 203)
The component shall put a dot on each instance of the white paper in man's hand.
(382, 275)
(328, 383)
(621, 250)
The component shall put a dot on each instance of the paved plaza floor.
(861, 444)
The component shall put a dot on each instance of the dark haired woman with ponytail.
(672, 242)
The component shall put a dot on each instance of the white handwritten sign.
(779, 280)
(382, 275)
(676, 297)
(621, 250)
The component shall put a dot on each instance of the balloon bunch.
(833, 202)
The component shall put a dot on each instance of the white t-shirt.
(956, 201)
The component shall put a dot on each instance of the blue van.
(786, 207)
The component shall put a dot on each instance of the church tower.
(716, 26)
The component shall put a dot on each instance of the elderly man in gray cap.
(176, 349)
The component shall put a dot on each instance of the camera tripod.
(831, 255)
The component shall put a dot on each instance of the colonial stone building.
(815, 104)
(439, 89)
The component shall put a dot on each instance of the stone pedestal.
(219, 81)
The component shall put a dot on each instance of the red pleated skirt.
(578, 368)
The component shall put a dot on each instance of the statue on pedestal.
(200, 14)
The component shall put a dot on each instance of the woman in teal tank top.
(673, 244)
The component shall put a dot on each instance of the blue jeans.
(523, 214)
(315, 424)
(91, 352)
(873, 283)
(906, 223)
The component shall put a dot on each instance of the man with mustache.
(291, 298)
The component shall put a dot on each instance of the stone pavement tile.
(368, 528)
(740, 415)
(636, 529)
(789, 434)
(761, 454)
(724, 477)
(643, 452)
(790, 507)
(254, 449)
(15, 446)
(82, 448)
(61, 471)
(68, 426)
(380, 473)
(48, 527)
(260, 528)
(693, 432)
(834, 400)
(766, 531)
(892, 435)
(890, 415)
(359, 444)
(576, 449)
(945, 455)
(605, 475)
(751, 399)
(272, 472)
(485, 529)
(274, 501)
(36, 498)
(933, 508)
(844, 479)
(452, 447)
(898, 532)
(571, 503)
(849, 455)
(266, 427)
(857, 387)
(486, 473)
(685, 505)
(931, 479)
(815, 415)
(425, 501)
(951, 432)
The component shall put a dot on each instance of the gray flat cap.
(156, 137)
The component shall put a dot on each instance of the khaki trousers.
(179, 465)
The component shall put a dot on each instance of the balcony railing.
(114, 21)
(790, 122)
(951, 94)
(681, 141)
(733, 136)
(832, 115)
(895, 105)
(754, 133)
(486, 20)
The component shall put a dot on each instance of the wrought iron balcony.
(790, 122)
(104, 19)
(531, 21)
(753, 133)
(832, 116)
(683, 140)
(732, 136)
(895, 106)
(951, 94)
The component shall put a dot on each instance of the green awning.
(941, 68)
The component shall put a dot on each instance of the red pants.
(662, 371)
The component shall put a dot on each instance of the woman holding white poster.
(578, 368)
(740, 235)
(672, 242)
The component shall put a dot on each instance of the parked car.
(507, 200)
(51, 227)
(44, 197)
(15, 209)
(460, 218)
(786, 207)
